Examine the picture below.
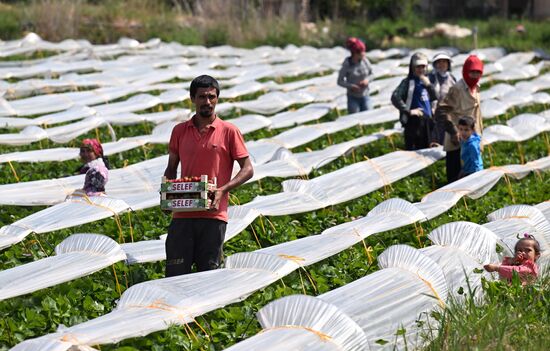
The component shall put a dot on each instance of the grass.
(511, 317)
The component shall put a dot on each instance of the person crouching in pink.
(526, 253)
(95, 167)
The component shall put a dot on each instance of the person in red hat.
(461, 100)
(95, 167)
(354, 76)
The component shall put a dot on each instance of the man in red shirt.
(203, 145)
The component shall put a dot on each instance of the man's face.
(465, 132)
(205, 101)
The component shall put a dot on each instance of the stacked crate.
(187, 194)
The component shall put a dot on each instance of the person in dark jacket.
(413, 97)
(354, 76)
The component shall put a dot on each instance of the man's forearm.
(171, 173)
(240, 178)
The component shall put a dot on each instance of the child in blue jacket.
(470, 150)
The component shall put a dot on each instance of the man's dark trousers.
(194, 240)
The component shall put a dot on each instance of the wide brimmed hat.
(441, 56)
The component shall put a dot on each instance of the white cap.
(441, 56)
(420, 62)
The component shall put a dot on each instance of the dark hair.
(204, 81)
(467, 121)
(529, 237)
(106, 161)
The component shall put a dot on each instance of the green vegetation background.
(251, 23)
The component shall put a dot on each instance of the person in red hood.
(472, 71)
(461, 100)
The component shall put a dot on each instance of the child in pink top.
(527, 252)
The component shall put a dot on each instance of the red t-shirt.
(212, 153)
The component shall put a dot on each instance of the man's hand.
(364, 83)
(245, 173)
(356, 88)
(218, 195)
(417, 112)
(491, 267)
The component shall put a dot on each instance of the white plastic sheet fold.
(461, 248)
(42, 104)
(74, 211)
(519, 128)
(32, 42)
(373, 308)
(302, 163)
(76, 256)
(159, 135)
(515, 71)
(312, 318)
(62, 134)
(475, 185)
(513, 221)
(544, 207)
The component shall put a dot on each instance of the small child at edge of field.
(526, 253)
(470, 148)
